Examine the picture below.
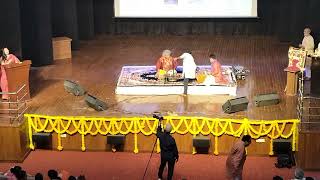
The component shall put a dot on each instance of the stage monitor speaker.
(74, 88)
(235, 105)
(42, 140)
(201, 144)
(282, 146)
(266, 99)
(95, 103)
(115, 139)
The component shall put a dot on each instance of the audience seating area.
(17, 173)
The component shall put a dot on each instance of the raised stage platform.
(140, 80)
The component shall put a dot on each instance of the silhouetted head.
(53, 174)
(247, 140)
(38, 176)
(277, 178)
(72, 178)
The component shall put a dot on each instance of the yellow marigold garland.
(147, 126)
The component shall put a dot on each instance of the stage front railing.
(16, 105)
(147, 126)
(308, 108)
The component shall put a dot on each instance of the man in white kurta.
(189, 69)
(308, 45)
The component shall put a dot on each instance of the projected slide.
(185, 8)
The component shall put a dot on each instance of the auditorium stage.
(97, 67)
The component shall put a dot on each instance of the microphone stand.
(154, 145)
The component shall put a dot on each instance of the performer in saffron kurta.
(236, 158)
(216, 71)
(6, 59)
(166, 62)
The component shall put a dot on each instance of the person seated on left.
(166, 62)
(6, 59)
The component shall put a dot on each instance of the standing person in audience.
(308, 45)
(189, 69)
(169, 151)
(6, 59)
(236, 158)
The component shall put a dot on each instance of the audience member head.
(38, 176)
(22, 175)
(298, 173)
(309, 178)
(16, 170)
(166, 53)
(72, 178)
(306, 31)
(168, 128)
(53, 174)
(247, 140)
(277, 178)
(81, 177)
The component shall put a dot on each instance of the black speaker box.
(266, 99)
(95, 103)
(74, 88)
(235, 105)
(201, 142)
(281, 146)
(42, 140)
(115, 139)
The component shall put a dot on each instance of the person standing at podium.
(308, 45)
(6, 59)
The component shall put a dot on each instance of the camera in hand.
(158, 116)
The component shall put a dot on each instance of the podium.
(292, 82)
(61, 48)
(17, 76)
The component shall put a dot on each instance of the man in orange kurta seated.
(166, 62)
(6, 59)
(216, 71)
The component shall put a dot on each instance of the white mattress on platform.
(144, 88)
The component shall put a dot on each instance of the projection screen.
(185, 8)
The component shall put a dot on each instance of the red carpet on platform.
(124, 165)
